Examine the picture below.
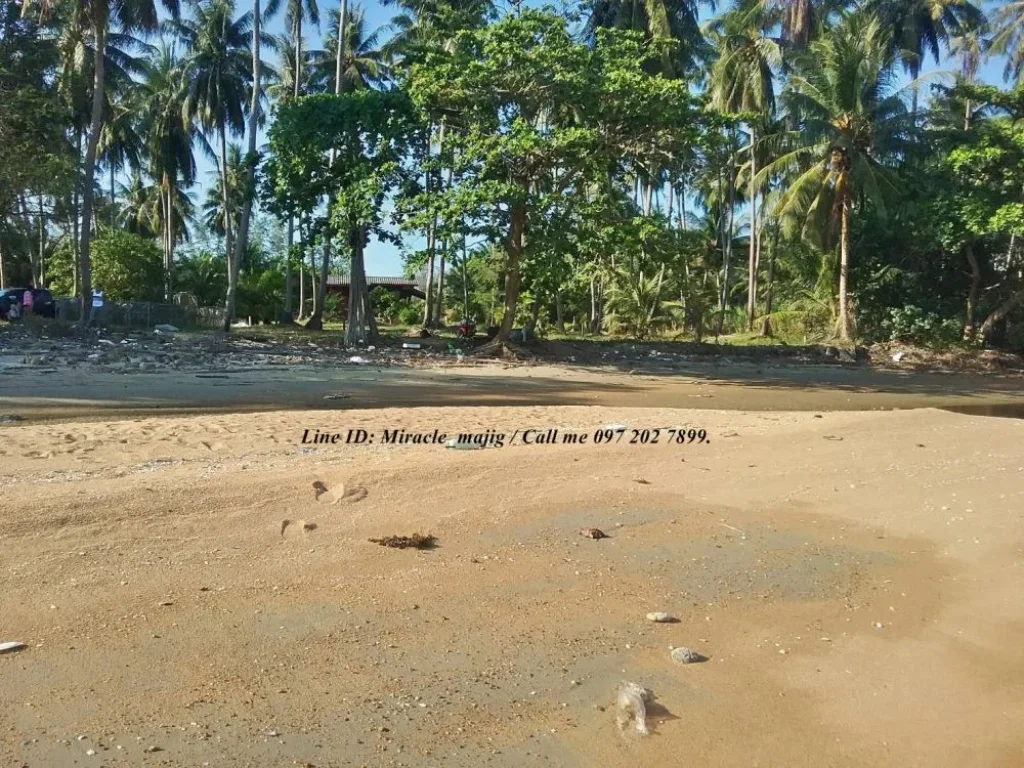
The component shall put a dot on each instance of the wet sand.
(852, 579)
(84, 394)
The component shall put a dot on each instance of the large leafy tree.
(539, 115)
(852, 125)
(348, 150)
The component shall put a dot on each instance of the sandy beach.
(852, 581)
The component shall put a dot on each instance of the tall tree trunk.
(113, 198)
(682, 206)
(40, 278)
(428, 309)
(339, 56)
(302, 287)
(465, 281)
(89, 180)
(752, 257)
(289, 289)
(169, 265)
(531, 324)
(76, 244)
(439, 303)
(226, 198)
(769, 296)
(316, 320)
(242, 243)
(559, 312)
(845, 330)
(515, 250)
(3, 277)
(362, 328)
(297, 36)
(727, 246)
(593, 306)
(972, 296)
(314, 292)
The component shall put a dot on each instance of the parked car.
(42, 301)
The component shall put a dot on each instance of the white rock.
(661, 617)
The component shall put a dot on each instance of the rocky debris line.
(162, 350)
(655, 356)
(904, 357)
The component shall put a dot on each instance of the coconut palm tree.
(258, 69)
(218, 78)
(852, 122)
(743, 81)
(121, 144)
(101, 18)
(658, 19)
(296, 12)
(76, 49)
(170, 134)
(1008, 41)
(142, 210)
(364, 63)
(921, 27)
(221, 210)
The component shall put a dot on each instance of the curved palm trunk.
(242, 243)
(89, 180)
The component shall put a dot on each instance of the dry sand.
(859, 600)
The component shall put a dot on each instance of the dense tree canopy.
(592, 170)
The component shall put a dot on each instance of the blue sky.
(385, 258)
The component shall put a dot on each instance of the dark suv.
(42, 301)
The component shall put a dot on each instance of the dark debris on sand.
(417, 541)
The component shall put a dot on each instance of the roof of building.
(397, 282)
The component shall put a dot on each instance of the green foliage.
(125, 266)
(913, 325)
